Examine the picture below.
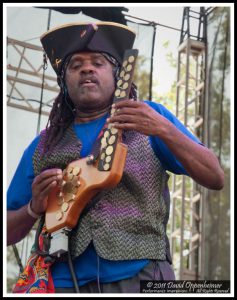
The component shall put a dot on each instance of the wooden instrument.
(83, 178)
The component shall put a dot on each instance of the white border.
(231, 5)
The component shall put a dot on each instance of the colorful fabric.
(36, 277)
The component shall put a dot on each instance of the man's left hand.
(138, 116)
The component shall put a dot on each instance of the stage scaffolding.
(186, 215)
(26, 55)
(186, 197)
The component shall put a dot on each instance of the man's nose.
(87, 67)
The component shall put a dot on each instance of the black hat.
(109, 37)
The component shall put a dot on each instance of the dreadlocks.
(59, 119)
(63, 112)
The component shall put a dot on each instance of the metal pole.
(152, 60)
(42, 88)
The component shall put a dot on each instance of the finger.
(125, 126)
(126, 111)
(47, 189)
(123, 119)
(40, 187)
(43, 194)
(47, 174)
(126, 103)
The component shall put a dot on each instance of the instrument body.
(91, 181)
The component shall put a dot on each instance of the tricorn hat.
(109, 37)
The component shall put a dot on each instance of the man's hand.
(138, 116)
(200, 162)
(19, 222)
(41, 187)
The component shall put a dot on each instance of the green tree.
(142, 77)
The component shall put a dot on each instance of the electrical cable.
(37, 234)
(71, 267)
(98, 273)
(18, 258)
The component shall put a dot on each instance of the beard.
(91, 98)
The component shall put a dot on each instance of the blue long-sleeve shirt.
(86, 265)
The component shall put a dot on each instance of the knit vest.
(128, 221)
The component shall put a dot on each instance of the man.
(120, 238)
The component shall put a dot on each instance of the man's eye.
(98, 63)
(76, 66)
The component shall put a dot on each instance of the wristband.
(31, 212)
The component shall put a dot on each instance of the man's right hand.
(19, 222)
(41, 187)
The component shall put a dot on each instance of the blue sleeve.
(168, 160)
(19, 191)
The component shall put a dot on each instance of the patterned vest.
(126, 222)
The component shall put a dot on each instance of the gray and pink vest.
(126, 222)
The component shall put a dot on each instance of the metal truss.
(24, 70)
(186, 196)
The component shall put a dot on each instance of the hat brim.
(112, 38)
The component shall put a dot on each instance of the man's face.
(90, 81)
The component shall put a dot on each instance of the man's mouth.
(88, 82)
